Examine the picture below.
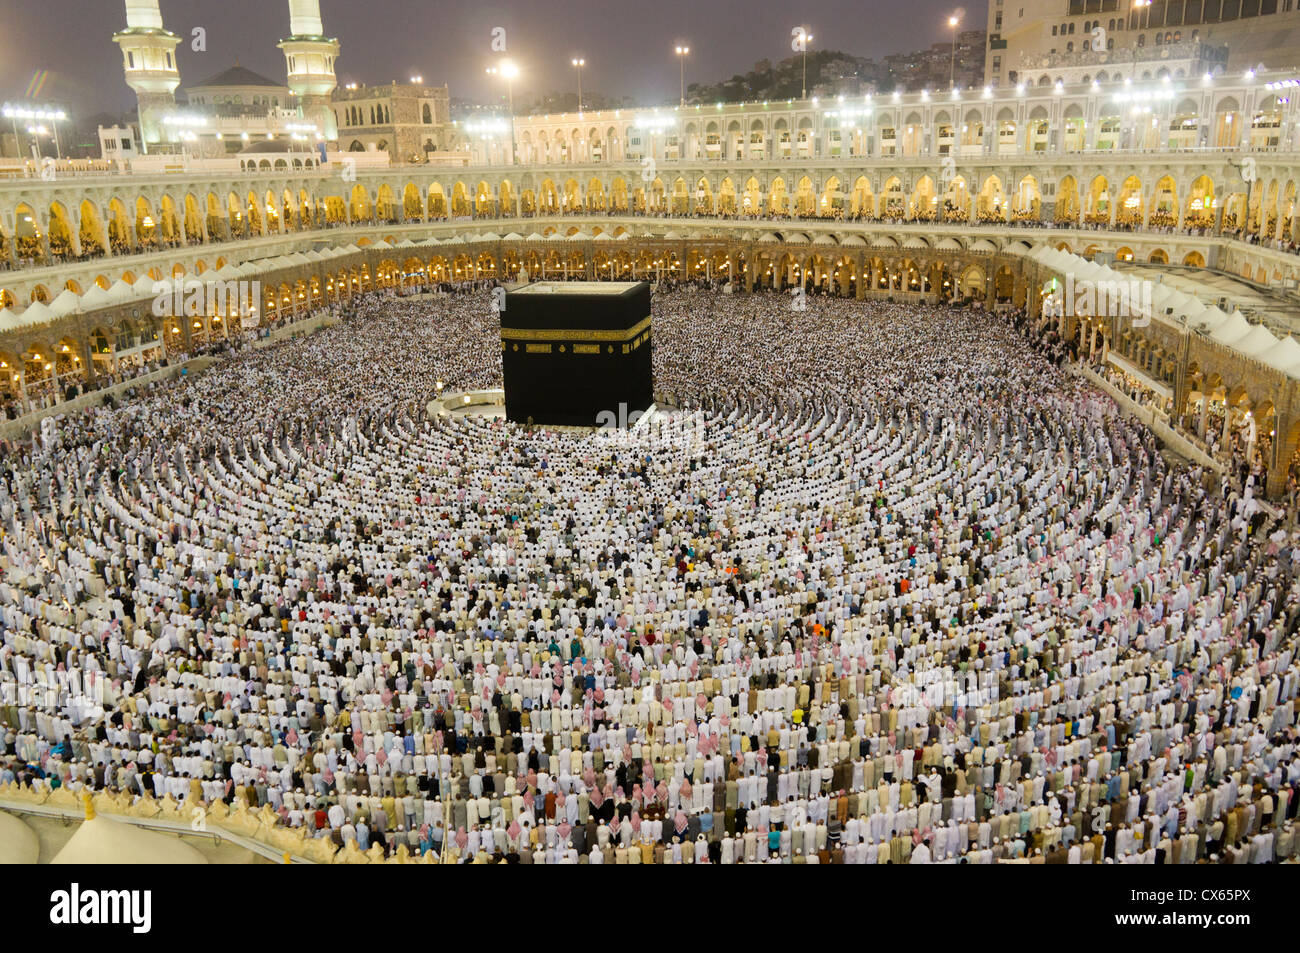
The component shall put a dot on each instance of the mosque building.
(226, 112)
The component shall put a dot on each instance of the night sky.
(628, 45)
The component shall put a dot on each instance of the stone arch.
(28, 235)
(862, 202)
(386, 205)
(778, 201)
(1201, 203)
(146, 224)
(991, 205)
(412, 203)
(1097, 205)
(60, 232)
(923, 204)
(1286, 211)
(702, 199)
(956, 200)
(460, 203)
(121, 236)
(597, 199)
(726, 204)
(618, 194)
(1130, 208)
(485, 202)
(1027, 203)
(548, 197)
(893, 200)
(1164, 203)
(438, 207)
(1067, 201)
(571, 201)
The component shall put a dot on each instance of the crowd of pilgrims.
(915, 593)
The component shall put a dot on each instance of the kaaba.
(572, 350)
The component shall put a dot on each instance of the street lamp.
(508, 71)
(682, 53)
(807, 38)
(952, 60)
(1139, 6)
(579, 63)
(40, 113)
(36, 132)
(18, 143)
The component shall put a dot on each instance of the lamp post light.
(682, 53)
(1139, 6)
(579, 63)
(508, 71)
(42, 114)
(18, 142)
(807, 38)
(36, 132)
(952, 59)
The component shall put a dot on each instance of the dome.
(37, 313)
(102, 840)
(1257, 343)
(238, 76)
(1285, 355)
(121, 291)
(18, 842)
(96, 297)
(65, 304)
(1233, 329)
(1207, 321)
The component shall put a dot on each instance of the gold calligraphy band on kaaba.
(566, 334)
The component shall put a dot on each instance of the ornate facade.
(1163, 110)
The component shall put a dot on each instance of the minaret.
(149, 59)
(311, 55)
